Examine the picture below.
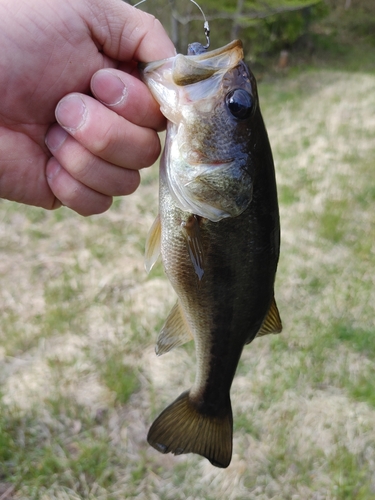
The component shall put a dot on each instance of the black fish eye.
(240, 103)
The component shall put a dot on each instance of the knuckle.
(74, 158)
(86, 202)
(79, 169)
(103, 145)
(132, 182)
(151, 153)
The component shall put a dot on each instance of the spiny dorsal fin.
(272, 322)
(181, 428)
(191, 232)
(153, 244)
(175, 331)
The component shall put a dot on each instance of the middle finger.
(106, 134)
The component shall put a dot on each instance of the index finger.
(128, 96)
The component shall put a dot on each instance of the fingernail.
(55, 137)
(108, 88)
(71, 112)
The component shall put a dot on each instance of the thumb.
(126, 33)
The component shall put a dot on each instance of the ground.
(80, 383)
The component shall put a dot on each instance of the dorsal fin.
(153, 244)
(272, 322)
(175, 331)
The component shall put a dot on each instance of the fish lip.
(235, 44)
(188, 70)
(196, 63)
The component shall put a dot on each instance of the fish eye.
(240, 103)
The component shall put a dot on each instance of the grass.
(80, 383)
(118, 377)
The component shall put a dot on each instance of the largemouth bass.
(218, 233)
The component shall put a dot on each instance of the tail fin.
(181, 428)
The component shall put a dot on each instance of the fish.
(218, 234)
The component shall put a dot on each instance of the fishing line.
(206, 26)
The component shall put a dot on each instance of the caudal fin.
(181, 428)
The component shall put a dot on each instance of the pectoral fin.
(191, 232)
(174, 333)
(272, 322)
(153, 244)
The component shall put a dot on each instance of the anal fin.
(272, 322)
(175, 331)
(181, 428)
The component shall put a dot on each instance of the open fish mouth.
(186, 70)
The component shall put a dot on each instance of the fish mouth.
(189, 78)
(192, 69)
(187, 70)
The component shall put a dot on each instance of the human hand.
(54, 49)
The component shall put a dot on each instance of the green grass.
(118, 377)
(360, 340)
(68, 450)
(351, 478)
(79, 318)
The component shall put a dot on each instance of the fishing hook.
(206, 26)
